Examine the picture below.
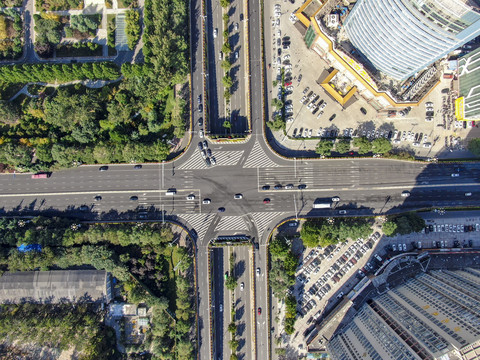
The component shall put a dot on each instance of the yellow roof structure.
(330, 88)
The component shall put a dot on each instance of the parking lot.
(426, 130)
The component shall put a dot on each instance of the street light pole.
(295, 204)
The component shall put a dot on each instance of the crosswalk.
(223, 158)
(258, 158)
(263, 219)
(231, 223)
(198, 222)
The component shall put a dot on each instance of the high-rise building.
(467, 105)
(402, 37)
(435, 315)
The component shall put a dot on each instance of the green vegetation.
(381, 146)
(403, 224)
(278, 104)
(48, 33)
(85, 23)
(78, 49)
(224, 3)
(282, 266)
(58, 4)
(226, 65)
(290, 314)
(277, 124)
(343, 146)
(11, 3)
(132, 28)
(324, 147)
(11, 34)
(151, 272)
(322, 233)
(474, 146)
(59, 326)
(364, 145)
(232, 281)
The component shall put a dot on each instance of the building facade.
(403, 37)
(435, 315)
(467, 105)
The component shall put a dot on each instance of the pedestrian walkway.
(229, 223)
(120, 35)
(263, 219)
(199, 222)
(222, 158)
(258, 158)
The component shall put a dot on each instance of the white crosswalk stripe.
(223, 158)
(258, 158)
(199, 222)
(231, 223)
(262, 219)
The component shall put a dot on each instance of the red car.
(259, 311)
(288, 83)
(266, 201)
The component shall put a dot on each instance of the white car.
(323, 106)
(289, 88)
(242, 286)
(238, 196)
(200, 133)
(319, 114)
(215, 33)
(305, 133)
(319, 132)
(236, 26)
(430, 109)
(335, 199)
(309, 106)
(258, 271)
(286, 57)
(455, 175)
(206, 201)
(191, 197)
(277, 23)
(278, 14)
(429, 119)
(310, 133)
(428, 104)
(302, 100)
(293, 18)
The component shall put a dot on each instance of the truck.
(40, 176)
(322, 205)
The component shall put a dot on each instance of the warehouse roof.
(56, 286)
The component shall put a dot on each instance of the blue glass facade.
(401, 38)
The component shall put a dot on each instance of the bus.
(322, 205)
(40, 176)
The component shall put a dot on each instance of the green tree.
(84, 23)
(232, 328)
(310, 234)
(364, 145)
(227, 124)
(231, 282)
(224, 3)
(277, 124)
(226, 47)
(132, 28)
(342, 146)
(409, 223)
(381, 146)
(389, 228)
(9, 112)
(278, 104)
(233, 357)
(324, 147)
(278, 247)
(233, 344)
(226, 65)
(227, 81)
(474, 146)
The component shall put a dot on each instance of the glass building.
(433, 316)
(402, 37)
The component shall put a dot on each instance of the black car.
(278, 187)
(98, 198)
(200, 108)
(299, 78)
(279, 51)
(137, 167)
(430, 227)
(332, 117)
(134, 198)
(200, 122)
(266, 187)
(286, 38)
(302, 186)
(364, 112)
(200, 146)
(103, 168)
(199, 99)
(208, 162)
(221, 209)
(209, 152)
(83, 208)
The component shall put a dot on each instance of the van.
(220, 56)
(171, 192)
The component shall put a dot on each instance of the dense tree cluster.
(58, 4)
(283, 265)
(290, 314)
(132, 28)
(59, 326)
(85, 23)
(11, 34)
(403, 224)
(474, 146)
(320, 232)
(163, 272)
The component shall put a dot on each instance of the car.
(335, 199)
(288, 83)
(208, 162)
(455, 175)
(238, 196)
(428, 104)
(259, 311)
(204, 154)
(323, 105)
(236, 26)
(363, 111)
(266, 201)
(306, 89)
(221, 307)
(332, 117)
(342, 212)
(191, 197)
(242, 286)
(83, 208)
(133, 198)
(277, 23)
(302, 186)
(266, 187)
(468, 194)
(200, 146)
(200, 108)
(310, 133)
(209, 152)
(97, 198)
(406, 193)
(221, 209)
(427, 145)
(236, 54)
(103, 168)
(299, 78)
(258, 271)
(429, 119)
(137, 167)
(206, 201)
(394, 247)
(278, 187)
(215, 33)
(404, 247)
(289, 186)
(213, 161)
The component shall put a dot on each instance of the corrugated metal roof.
(54, 286)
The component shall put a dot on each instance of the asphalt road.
(220, 308)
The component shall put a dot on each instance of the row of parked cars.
(206, 153)
(451, 228)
